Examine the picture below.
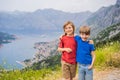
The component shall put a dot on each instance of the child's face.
(84, 36)
(69, 30)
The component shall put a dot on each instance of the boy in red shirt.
(68, 47)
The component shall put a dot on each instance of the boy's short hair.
(85, 30)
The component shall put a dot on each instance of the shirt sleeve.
(60, 43)
(76, 37)
(92, 47)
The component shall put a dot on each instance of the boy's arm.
(64, 49)
(75, 34)
(61, 48)
(93, 55)
(93, 59)
(91, 42)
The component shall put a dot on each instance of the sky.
(63, 5)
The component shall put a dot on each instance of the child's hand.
(68, 50)
(91, 42)
(75, 34)
(90, 67)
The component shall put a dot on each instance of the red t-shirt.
(68, 42)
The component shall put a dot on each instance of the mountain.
(110, 34)
(50, 20)
(104, 17)
(39, 21)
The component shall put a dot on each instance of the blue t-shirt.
(84, 51)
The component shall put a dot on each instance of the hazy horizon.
(62, 5)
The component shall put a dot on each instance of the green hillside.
(110, 34)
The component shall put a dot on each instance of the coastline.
(21, 63)
(1, 45)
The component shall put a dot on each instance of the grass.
(108, 55)
(43, 74)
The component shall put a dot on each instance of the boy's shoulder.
(77, 37)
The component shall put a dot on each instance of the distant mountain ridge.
(104, 17)
(38, 21)
(50, 20)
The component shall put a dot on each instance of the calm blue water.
(21, 49)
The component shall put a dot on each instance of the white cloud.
(64, 5)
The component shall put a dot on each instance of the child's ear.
(91, 42)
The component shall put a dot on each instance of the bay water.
(21, 49)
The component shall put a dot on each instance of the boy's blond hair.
(85, 30)
(67, 23)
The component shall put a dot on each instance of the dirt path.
(108, 74)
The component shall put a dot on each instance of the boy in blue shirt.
(85, 54)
